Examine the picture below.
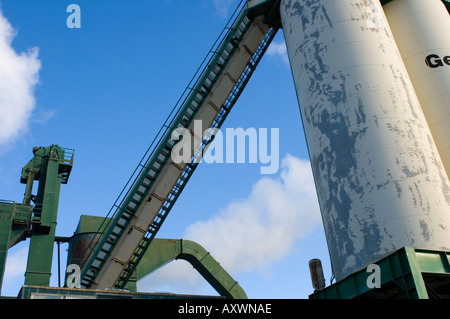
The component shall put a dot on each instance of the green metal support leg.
(43, 235)
(40, 258)
(419, 290)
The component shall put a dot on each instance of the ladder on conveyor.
(157, 182)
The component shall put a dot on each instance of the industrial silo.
(380, 181)
(422, 32)
(84, 239)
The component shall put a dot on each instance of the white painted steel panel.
(127, 247)
(222, 90)
(240, 61)
(107, 281)
(166, 180)
(150, 209)
(128, 243)
(207, 114)
(255, 35)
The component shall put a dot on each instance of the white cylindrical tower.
(380, 181)
(422, 32)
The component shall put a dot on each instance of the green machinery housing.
(160, 253)
(50, 167)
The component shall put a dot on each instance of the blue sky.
(106, 88)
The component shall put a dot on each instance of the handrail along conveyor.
(157, 182)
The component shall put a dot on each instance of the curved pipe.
(163, 251)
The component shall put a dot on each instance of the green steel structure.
(406, 274)
(163, 251)
(107, 259)
(15, 223)
(51, 166)
(121, 248)
(160, 253)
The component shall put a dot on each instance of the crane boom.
(160, 180)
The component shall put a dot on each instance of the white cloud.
(16, 264)
(19, 74)
(261, 229)
(222, 7)
(278, 50)
(177, 277)
(43, 116)
(253, 233)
